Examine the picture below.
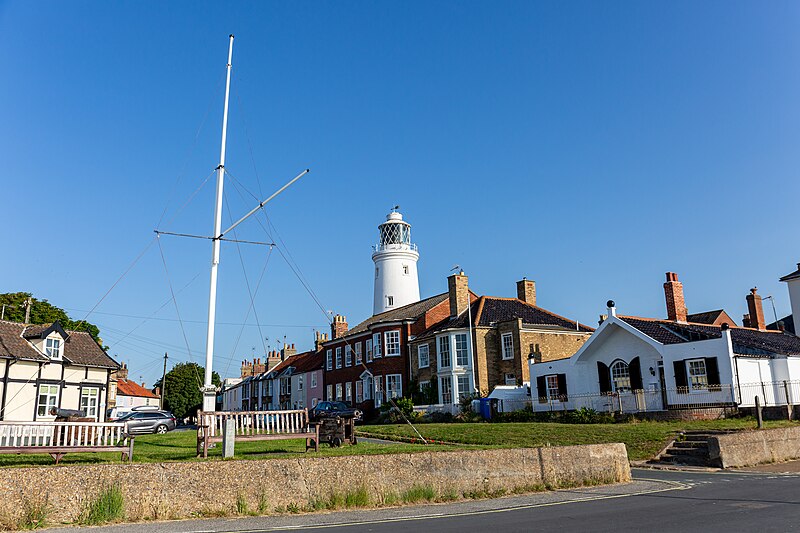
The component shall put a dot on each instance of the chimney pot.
(756, 310)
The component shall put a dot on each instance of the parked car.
(142, 422)
(115, 413)
(331, 409)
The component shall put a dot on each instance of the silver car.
(142, 422)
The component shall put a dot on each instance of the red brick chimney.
(319, 339)
(756, 310)
(526, 291)
(458, 289)
(338, 327)
(676, 305)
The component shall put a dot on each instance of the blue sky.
(591, 146)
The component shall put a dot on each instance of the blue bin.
(486, 408)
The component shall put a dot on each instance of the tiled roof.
(309, 361)
(706, 317)
(489, 310)
(126, 387)
(79, 349)
(793, 275)
(788, 324)
(407, 312)
(745, 340)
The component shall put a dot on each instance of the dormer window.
(53, 348)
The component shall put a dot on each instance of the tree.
(43, 312)
(183, 396)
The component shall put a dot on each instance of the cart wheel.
(336, 442)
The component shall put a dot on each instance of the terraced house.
(44, 366)
(486, 341)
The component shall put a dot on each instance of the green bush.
(419, 493)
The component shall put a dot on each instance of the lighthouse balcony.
(395, 246)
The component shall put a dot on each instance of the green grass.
(643, 439)
(419, 493)
(109, 506)
(181, 446)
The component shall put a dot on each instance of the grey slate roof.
(793, 275)
(745, 340)
(706, 317)
(407, 312)
(79, 349)
(788, 324)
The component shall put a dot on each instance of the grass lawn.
(181, 446)
(643, 439)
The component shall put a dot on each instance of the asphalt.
(654, 501)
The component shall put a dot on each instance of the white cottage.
(643, 364)
(44, 366)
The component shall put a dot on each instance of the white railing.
(770, 393)
(452, 408)
(250, 423)
(63, 434)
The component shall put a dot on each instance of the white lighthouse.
(395, 258)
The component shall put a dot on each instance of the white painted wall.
(390, 277)
(794, 297)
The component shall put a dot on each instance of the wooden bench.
(257, 425)
(60, 438)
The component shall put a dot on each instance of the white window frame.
(348, 391)
(54, 347)
(368, 387)
(423, 385)
(507, 346)
(394, 386)
(617, 376)
(446, 389)
(390, 301)
(463, 351)
(329, 359)
(427, 356)
(393, 344)
(48, 393)
(300, 383)
(313, 380)
(698, 382)
(509, 379)
(368, 349)
(348, 355)
(377, 352)
(378, 397)
(551, 386)
(359, 391)
(338, 392)
(338, 357)
(329, 392)
(467, 390)
(359, 358)
(443, 350)
(88, 394)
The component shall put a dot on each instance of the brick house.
(369, 363)
(505, 333)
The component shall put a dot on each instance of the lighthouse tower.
(395, 258)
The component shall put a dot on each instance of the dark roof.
(407, 312)
(706, 317)
(79, 348)
(308, 362)
(793, 275)
(489, 310)
(745, 340)
(788, 324)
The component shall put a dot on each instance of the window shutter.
(635, 370)
(680, 374)
(605, 377)
(712, 371)
(562, 387)
(541, 389)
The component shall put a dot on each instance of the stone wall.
(180, 490)
(748, 448)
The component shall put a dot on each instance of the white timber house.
(44, 366)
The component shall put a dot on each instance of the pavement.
(655, 501)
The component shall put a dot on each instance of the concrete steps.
(690, 448)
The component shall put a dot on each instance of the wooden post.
(788, 400)
(759, 417)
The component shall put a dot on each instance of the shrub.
(241, 504)
(418, 493)
(108, 507)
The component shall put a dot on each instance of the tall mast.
(209, 392)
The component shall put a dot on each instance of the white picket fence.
(62, 434)
(251, 423)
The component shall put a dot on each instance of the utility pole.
(163, 383)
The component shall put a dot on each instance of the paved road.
(655, 501)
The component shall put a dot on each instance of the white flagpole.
(209, 392)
